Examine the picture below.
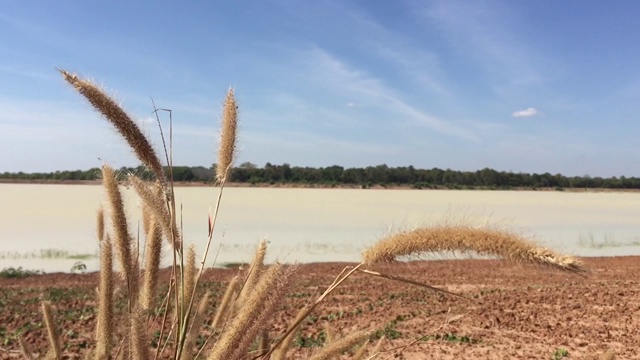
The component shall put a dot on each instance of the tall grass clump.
(174, 316)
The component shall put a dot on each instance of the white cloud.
(525, 113)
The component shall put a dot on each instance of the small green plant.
(310, 341)
(389, 331)
(451, 337)
(18, 273)
(560, 353)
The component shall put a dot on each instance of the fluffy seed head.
(252, 316)
(151, 263)
(54, 339)
(100, 224)
(120, 120)
(227, 149)
(104, 326)
(338, 347)
(154, 201)
(484, 240)
(118, 218)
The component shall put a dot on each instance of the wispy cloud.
(413, 60)
(373, 93)
(488, 36)
(525, 113)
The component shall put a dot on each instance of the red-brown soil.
(515, 311)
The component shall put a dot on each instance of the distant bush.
(18, 273)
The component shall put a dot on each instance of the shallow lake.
(46, 226)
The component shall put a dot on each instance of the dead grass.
(482, 240)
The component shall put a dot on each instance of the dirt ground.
(513, 311)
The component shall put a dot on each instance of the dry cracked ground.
(512, 311)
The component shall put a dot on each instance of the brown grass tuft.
(339, 346)
(122, 239)
(120, 120)
(52, 332)
(189, 277)
(154, 200)
(100, 224)
(467, 239)
(104, 325)
(256, 269)
(227, 149)
(252, 317)
(151, 263)
(225, 303)
(139, 341)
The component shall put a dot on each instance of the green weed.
(560, 353)
(18, 273)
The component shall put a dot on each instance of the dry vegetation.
(173, 319)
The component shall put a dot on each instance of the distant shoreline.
(321, 186)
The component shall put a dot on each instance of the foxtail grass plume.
(276, 282)
(337, 347)
(139, 340)
(122, 238)
(100, 224)
(281, 352)
(226, 303)
(151, 262)
(251, 317)
(256, 269)
(486, 241)
(189, 277)
(118, 218)
(52, 332)
(104, 325)
(120, 120)
(154, 200)
(227, 149)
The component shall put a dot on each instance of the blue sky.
(523, 86)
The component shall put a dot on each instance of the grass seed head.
(120, 120)
(227, 149)
(485, 241)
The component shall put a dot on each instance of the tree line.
(364, 177)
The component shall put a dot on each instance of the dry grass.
(119, 119)
(227, 150)
(337, 347)
(244, 314)
(485, 241)
(104, 325)
(52, 331)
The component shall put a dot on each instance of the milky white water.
(306, 225)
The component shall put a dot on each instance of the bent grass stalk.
(464, 238)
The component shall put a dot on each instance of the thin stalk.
(413, 282)
(311, 308)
